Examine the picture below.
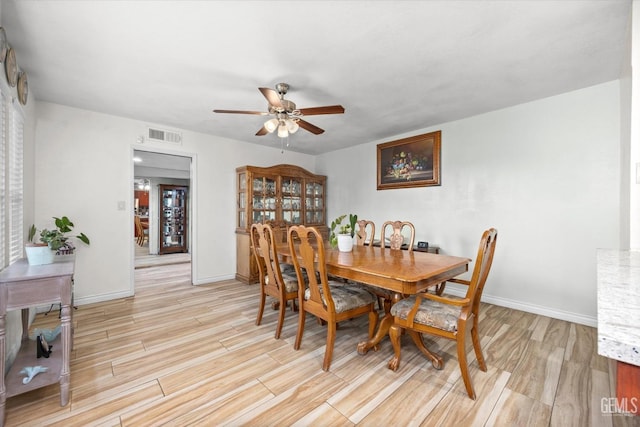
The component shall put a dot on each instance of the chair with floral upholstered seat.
(447, 316)
(274, 282)
(330, 301)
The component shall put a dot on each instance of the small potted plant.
(38, 253)
(343, 238)
(55, 242)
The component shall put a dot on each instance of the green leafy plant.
(32, 233)
(58, 239)
(349, 228)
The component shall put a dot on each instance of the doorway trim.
(193, 217)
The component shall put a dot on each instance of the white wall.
(627, 163)
(546, 174)
(84, 168)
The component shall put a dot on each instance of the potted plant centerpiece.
(52, 242)
(343, 239)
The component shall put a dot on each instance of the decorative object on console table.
(409, 162)
(429, 248)
(426, 247)
(38, 253)
(173, 219)
(281, 194)
(52, 242)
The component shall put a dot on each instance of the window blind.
(3, 167)
(16, 193)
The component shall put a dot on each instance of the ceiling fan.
(286, 117)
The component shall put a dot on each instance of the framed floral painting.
(409, 162)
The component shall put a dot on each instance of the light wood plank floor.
(143, 259)
(178, 355)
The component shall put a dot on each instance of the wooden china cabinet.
(282, 194)
(173, 219)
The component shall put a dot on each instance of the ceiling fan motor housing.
(287, 107)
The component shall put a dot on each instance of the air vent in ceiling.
(159, 135)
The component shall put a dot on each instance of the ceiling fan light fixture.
(282, 130)
(271, 125)
(292, 126)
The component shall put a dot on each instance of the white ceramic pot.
(39, 254)
(345, 242)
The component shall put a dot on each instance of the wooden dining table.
(402, 272)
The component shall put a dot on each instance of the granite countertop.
(619, 305)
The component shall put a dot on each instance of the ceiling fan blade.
(272, 96)
(262, 131)
(311, 128)
(315, 111)
(258, 113)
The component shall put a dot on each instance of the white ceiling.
(396, 66)
(149, 165)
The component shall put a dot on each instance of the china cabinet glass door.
(173, 219)
(242, 201)
(264, 198)
(291, 193)
(314, 203)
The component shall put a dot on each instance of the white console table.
(23, 286)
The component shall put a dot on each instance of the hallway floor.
(143, 259)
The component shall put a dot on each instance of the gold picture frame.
(409, 162)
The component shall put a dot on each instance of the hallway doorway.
(163, 224)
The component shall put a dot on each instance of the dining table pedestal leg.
(383, 329)
(383, 326)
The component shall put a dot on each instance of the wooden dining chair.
(330, 301)
(273, 282)
(141, 233)
(364, 237)
(280, 237)
(396, 238)
(447, 316)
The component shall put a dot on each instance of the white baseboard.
(502, 302)
(214, 279)
(101, 298)
(126, 294)
(532, 308)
